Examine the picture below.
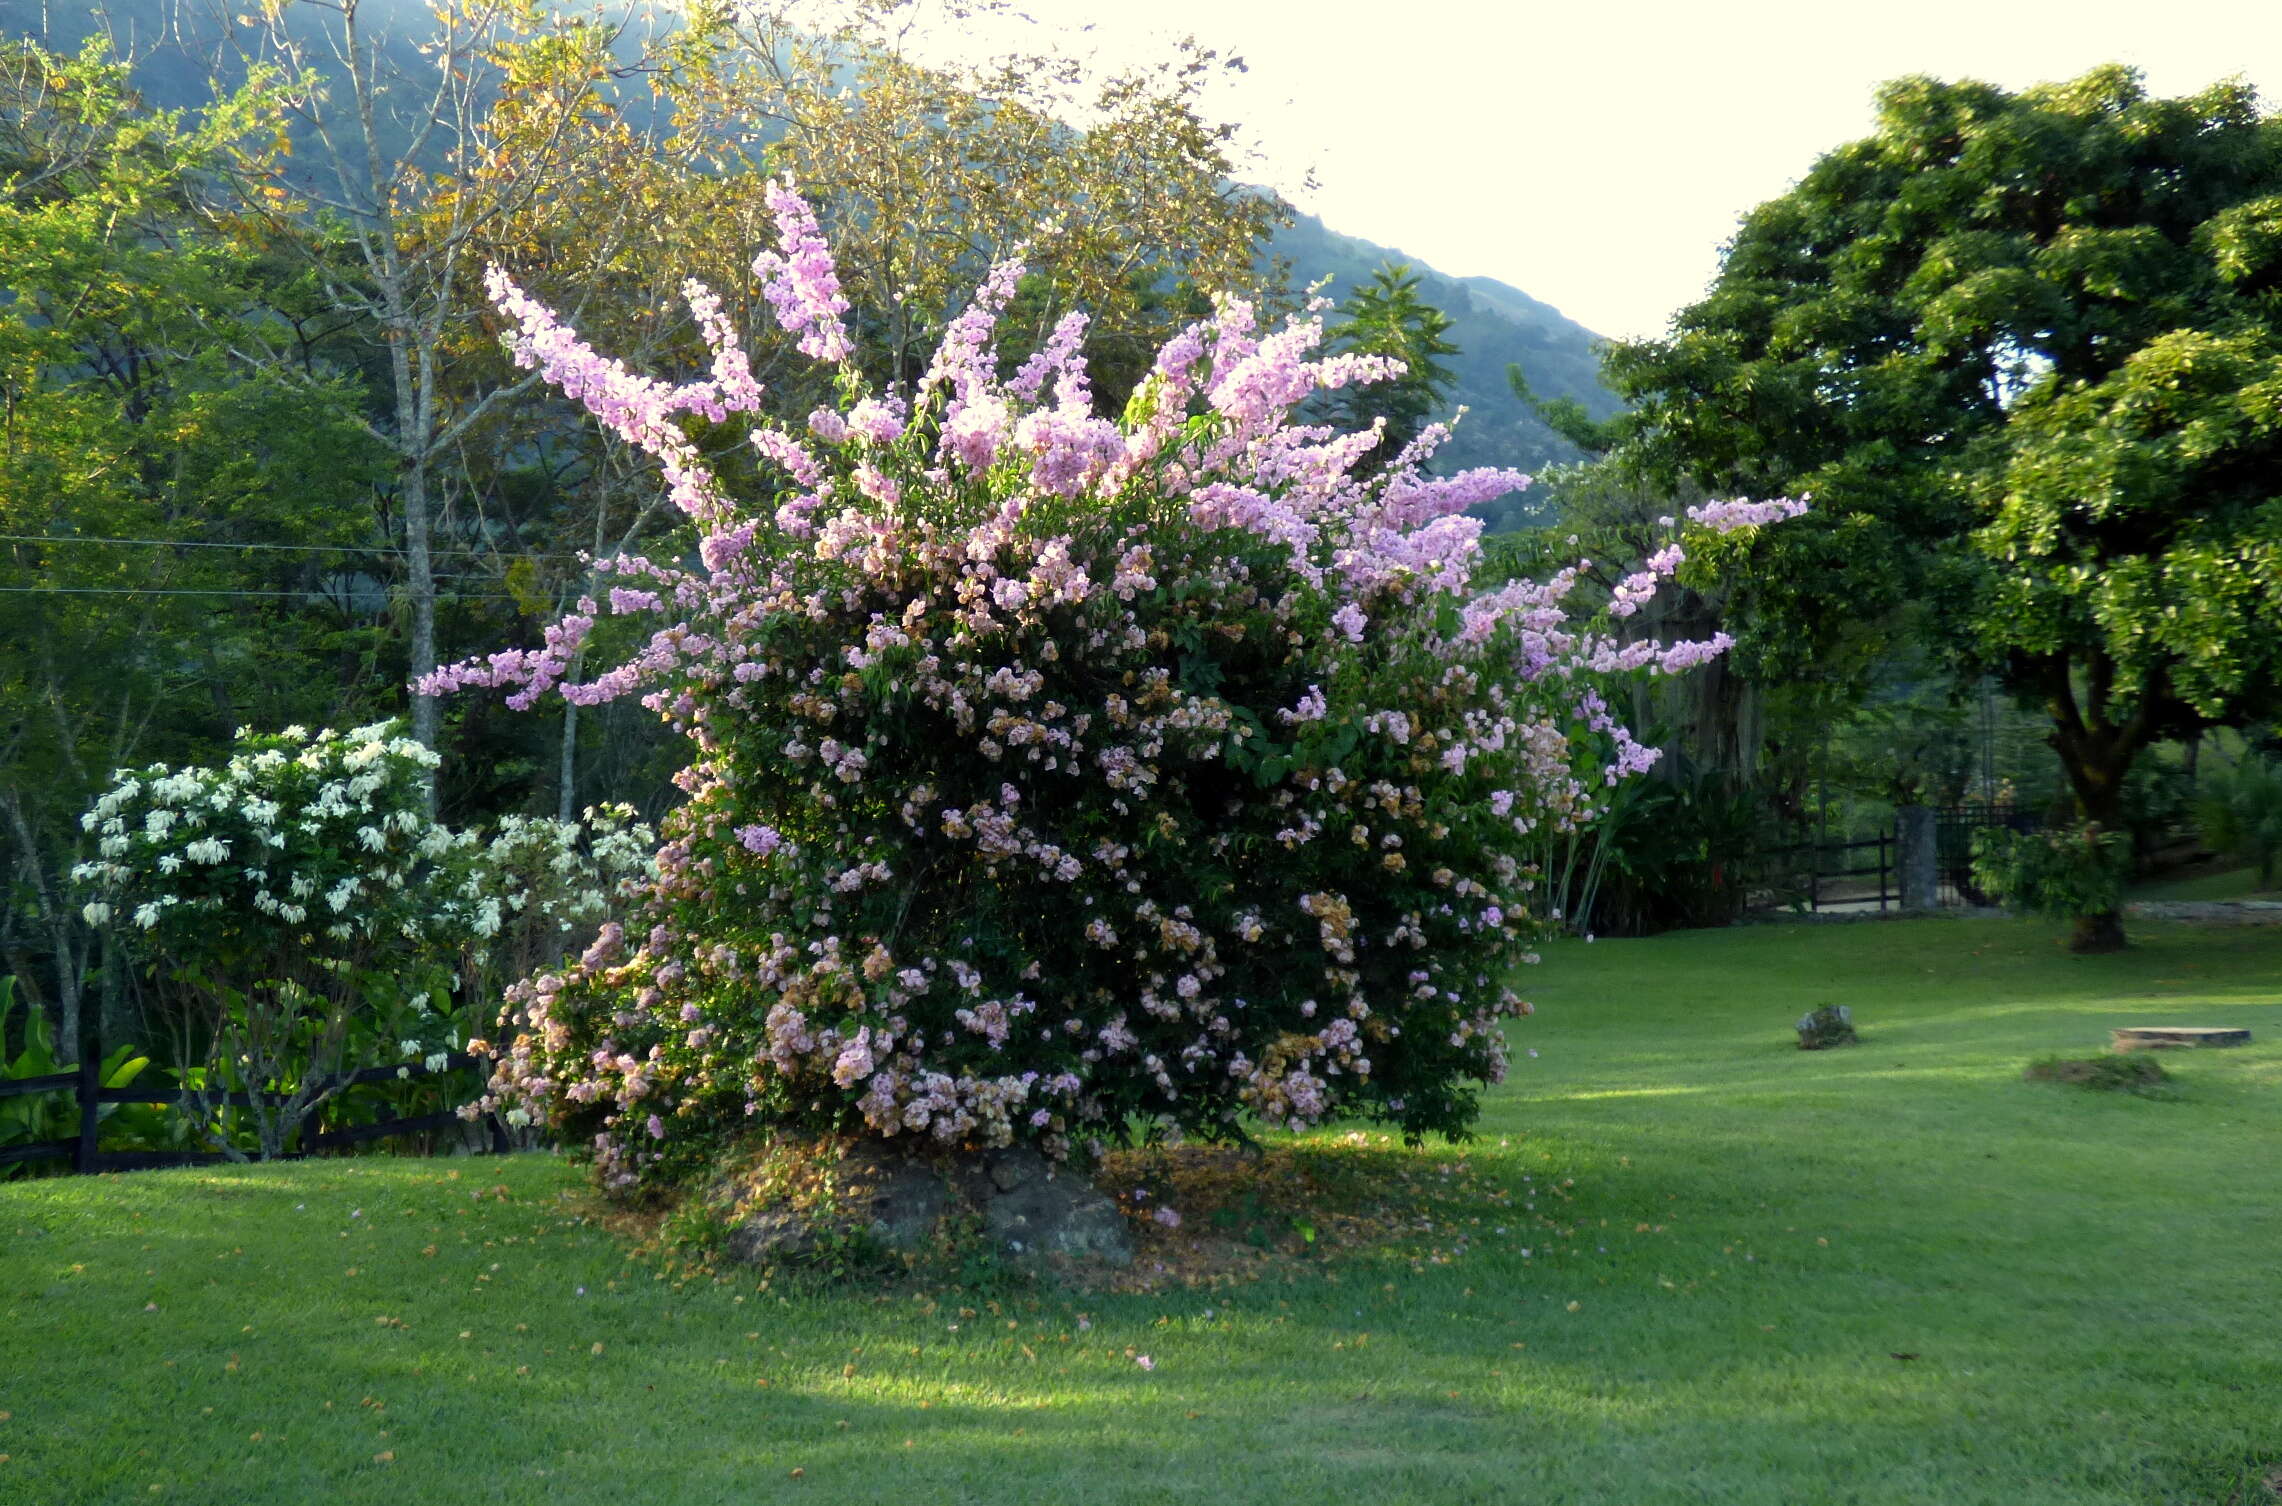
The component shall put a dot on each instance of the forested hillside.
(1493, 325)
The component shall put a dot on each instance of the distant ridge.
(1492, 324)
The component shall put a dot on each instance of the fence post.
(90, 1108)
(1916, 856)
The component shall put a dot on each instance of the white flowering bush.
(538, 885)
(281, 888)
(1053, 775)
(316, 919)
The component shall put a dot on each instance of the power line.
(183, 591)
(37, 538)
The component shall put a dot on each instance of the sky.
(1598, 155)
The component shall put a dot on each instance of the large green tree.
(179, 525)
(2024, 350)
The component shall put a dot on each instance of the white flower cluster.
(538, 877)
(324, 837)
(325, 831)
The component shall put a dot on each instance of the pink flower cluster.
(1051, 773)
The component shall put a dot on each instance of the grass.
(2227, 883)
(1707, 1267)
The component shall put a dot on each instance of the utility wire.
(182, 591)
(37, 538)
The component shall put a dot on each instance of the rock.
(781, 1208)
(1827, 1026)
(1010, 1169)
(769, 1237)
(1038, 1210)
(2163, 1037)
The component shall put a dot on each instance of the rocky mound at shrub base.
(803, 1202)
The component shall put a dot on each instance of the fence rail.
(86, 1155)
(1820, 873)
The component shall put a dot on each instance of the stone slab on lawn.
(2170, 1037)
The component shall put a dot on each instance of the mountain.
(1492, 324)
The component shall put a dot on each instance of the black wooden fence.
(1833, 875)
(85, 1084)
(1954, 826)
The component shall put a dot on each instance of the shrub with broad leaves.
(312, 915)
(2063, 873)
(282, 887)
(1056, 776)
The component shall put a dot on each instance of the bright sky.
(1597, 155)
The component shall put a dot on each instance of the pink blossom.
(801, 282)
(1726, 517)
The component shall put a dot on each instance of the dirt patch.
(2133, 1072)
(1200, 1216)
(1208, 1216)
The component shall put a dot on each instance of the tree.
(407, 181)
(1566, 416)
(171, 510)
(926, 174)
(1386, 317)
(2025, 352)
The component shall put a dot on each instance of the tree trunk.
(2093, 934)
(427, 713)
(61, 923)
(566, 790)
(2097, 752)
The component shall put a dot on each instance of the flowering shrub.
(514, 902)
(313, 911)
(276, 884)
(1052, 773)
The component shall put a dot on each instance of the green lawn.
(2230, 883)
(1892, 1273)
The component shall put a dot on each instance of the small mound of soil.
(2129, 1073)
(1148, 1219)
(839, 1202)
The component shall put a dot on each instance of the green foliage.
(1565, 416)
(127, 306)
(1675, 851)
(1386, 317)
(35, 1118)
(2025, 353)
(2067, 873)
(2239, 812)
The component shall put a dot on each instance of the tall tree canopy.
(1386, 317)
(2025, 353)
(176, 520)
